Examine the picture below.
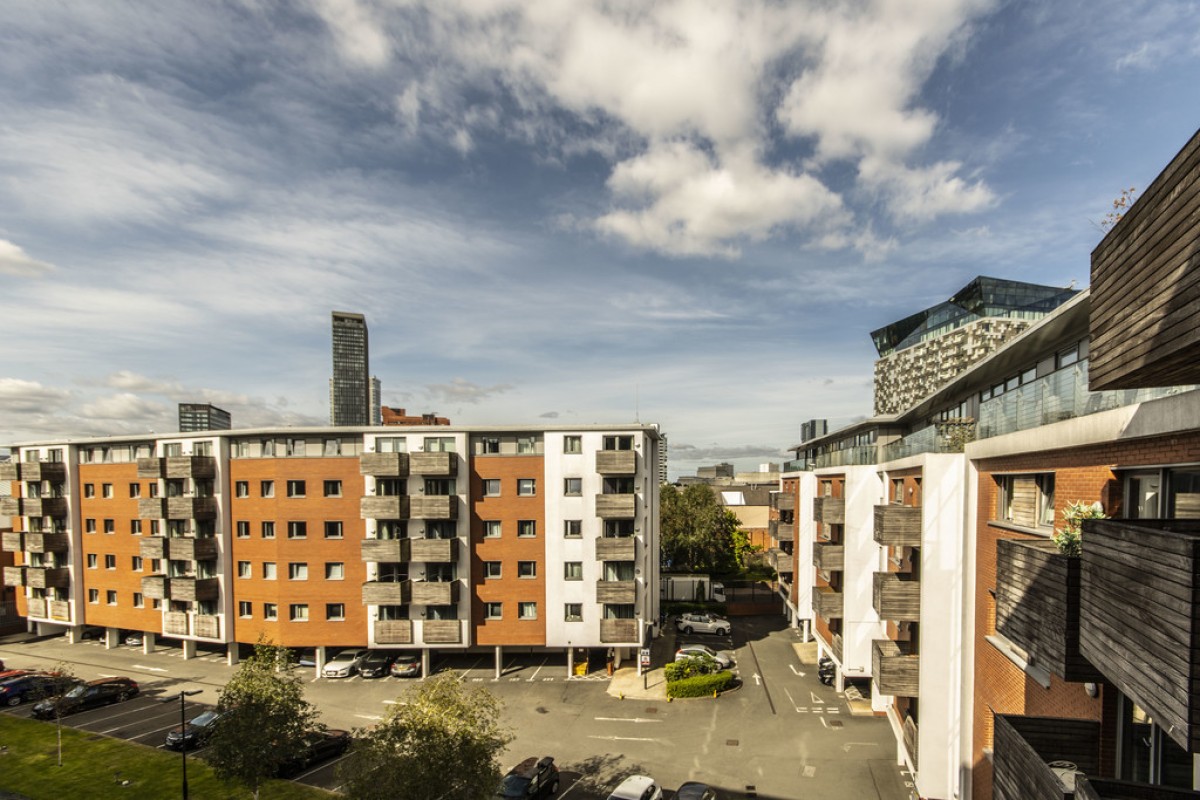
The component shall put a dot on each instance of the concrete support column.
(807, 632)
(111, 638)
(425, 663)
(148, 642)
(840, 684)
(820, 650)
(499, 661)
(570, 661)
(74, 633)
(900, 752)
(320, 656)
(232, 654)
(189, 649)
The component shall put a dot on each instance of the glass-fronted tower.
(349, 388)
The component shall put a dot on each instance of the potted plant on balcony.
(1068, 536)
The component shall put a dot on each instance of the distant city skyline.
(692, 214)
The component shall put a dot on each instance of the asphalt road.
(781, 735)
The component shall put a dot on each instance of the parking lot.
(782, 734)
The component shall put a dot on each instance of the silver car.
(724, 660)
(703, 623)
(344, 664)
(637, 787)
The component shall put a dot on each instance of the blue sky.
(689, 213)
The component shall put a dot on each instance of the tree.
(1119, 207)
(264, 719)
(440, 740)
(65, 680)
(743, 548)
(696, 533)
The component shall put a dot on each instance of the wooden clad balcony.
(193, 589)
(829, 557)
(10, 470)
(15, 576)
(38, 471)
(154, 587)
(394, 631)
(47, 542)
(441, 631)
(781, 561)
(44, 506)
(782, 531)
(191, 507)
(616, 592)
(175, 623)
(1024, 747)
(616, 506)
(59, 610)
(386, 551)
(829, 510)
(387, 593)
(188, 548)
(827, 602)
(36, 607)
(47, 577)
(12, 541)
(149, 468)
(433, 465)
(616, 631)
(152, 508)
(1100, 789)
(434, 507)
(191, 467)
(909, 732)
(1139, 620)
(616, 548)
(207, 626)
(384, 465)
(1038, 606)
(153, 547)
(896, 597)
(384, 507)
(898, 526)
(895, 672)
(783, 501)
(435, 551)
(435, 593)
(11, 507)
(616, 462)
(836, 646)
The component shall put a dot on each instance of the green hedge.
(700, 685)
(690, 668)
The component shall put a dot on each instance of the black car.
(194, 733)
(696, 791)
(87, 695)
(318, 746)
(532, 778)
(33, 686)
(376, 664)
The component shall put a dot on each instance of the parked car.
(88, 695)
(9, 674)
(703, 623)
(32, 686)
(693, 790)
(724, 661)
(533, 778)
(305, 658)
(193, 733)
(406, 665)
(637, 787)
(376, 664)
(134, 639)
(318, 746)
(344, 664)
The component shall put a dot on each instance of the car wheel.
(14, 700)
(554, 787)
(688, 629)
(721, 631)
(123, 696)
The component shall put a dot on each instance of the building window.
(139, 601)
(333, 447)
(491, 529)
(154, 489)
(298, 612)
(296, 447)
(493, 610)
(107, 490)
(245, 570)
(489, 445)
(135, 527)
(297, 530)
(89, 490)
(573, 571)
(93, 595)
(242, 488)
(298, 571)
(1068, 357)
(135, 490)
(527, 610)
(89, 526)
(526, 487)
(110, 597)
(110, 526)
(333, 488)
(526, 569)
(268, 570)
(618, 442)
(573, 487)
(1026, 500)
(335, 612)
(266, 488)
(110, 561)
(268, 529)
(491, 570)
(245, 609)
(439, 444)
(270, 611)
(335, 570)
(137, 564)
(92, 560)
(572, 444)
(526, 445)
(491, 487)
(333, 529)
(526, 529)
(243, 529)
(572, 528)
(295, 489)
(573, 612)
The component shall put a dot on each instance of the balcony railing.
(1139, 619)
(38, 471)
(898, 526)
(10, 470)
(616, 631)
(616, 592)
(36, 606)
(190, 548)
(47, 542)
(827, 602)
(44, 507)
(950, 436)
(1099, 789)
(847, 457)
(782, 531)
(394, 631)
(191, 589)
(441, 631)
(1058, 396)
(59, 610)
(781, 561)
(895, 671)
(11, 507)
(1024, 748)
(207, 626)
(386, 551)
(191, 467)
(152, 508)
(435, 551)
(783, 501)
(434, 465)
(829, 510)
(47, 577)
(384, 465)
(435, 593)
(912, 741)
(434, 506)
(1038, 605)
(175, 623)
(797, 465)
(154, 587)
(829, 557)
(12, 541)
(191, 507)
(149, 468)
(616, 506)
(387, 593)
(616, 462)
(384, 507)
(896, 597)
(153, 547)
(616, 548)
(15, 576)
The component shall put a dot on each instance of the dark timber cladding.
(1038, 606)
(1138, 616)
(1098, 789)
(1146, 286)
(1024, 746)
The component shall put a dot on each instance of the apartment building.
(425, 538)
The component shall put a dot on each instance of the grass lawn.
(96, 766)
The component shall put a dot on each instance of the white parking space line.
(374, 717)
(323, 765)
(624, 719)
(622, 739)
(150, 669)
(539, 669)
(154, 732)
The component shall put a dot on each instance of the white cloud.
(15, 261)
(126, 407)
(461, 390)
(20, 396)
(355, 31)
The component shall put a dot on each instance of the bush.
(700, 685)
(690, 667)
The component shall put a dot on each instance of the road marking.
(816, 699)
(547, 680)
(833, 710)
(149, 669)
(624, 719)
(757, 680)
(622, 739)
(375, 717)
(792, 667)
(848, 745)
(810, 771)
(536, 671)
(102, 675)
(801, 709)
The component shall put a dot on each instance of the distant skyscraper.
(662, 458)
(203, 417)
(375, 412)
(350, 386)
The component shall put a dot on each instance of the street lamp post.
(182, 731)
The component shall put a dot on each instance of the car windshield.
(205, 719)
(77, 691)
(512, 786)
